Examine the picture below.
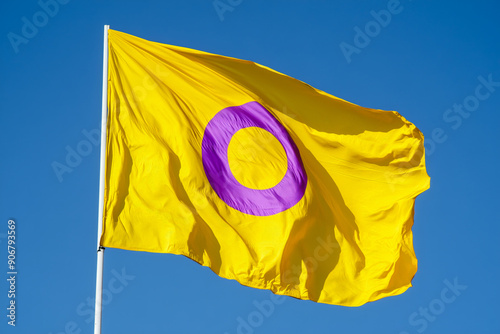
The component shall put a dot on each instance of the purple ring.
(258, 202)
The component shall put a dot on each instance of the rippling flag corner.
(257, 175)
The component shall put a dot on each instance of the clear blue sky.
(430, 57)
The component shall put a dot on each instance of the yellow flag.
(257, 175)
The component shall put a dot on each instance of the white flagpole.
(100, 250)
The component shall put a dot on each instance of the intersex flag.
(257, 175)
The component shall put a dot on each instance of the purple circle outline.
(258, 202)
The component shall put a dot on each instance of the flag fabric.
(257, 175)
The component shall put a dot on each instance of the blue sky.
(437, 63)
